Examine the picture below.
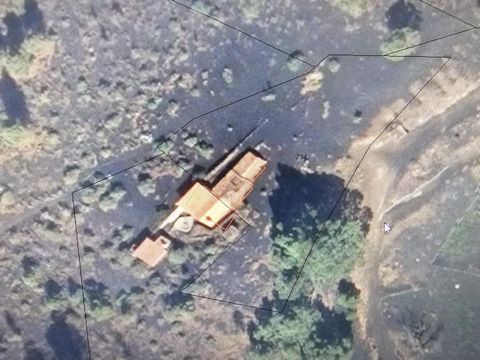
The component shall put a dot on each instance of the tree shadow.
(32, 352)
(334, 327)
(403, 14)
(65, 340)
(304, 200)
(13, 100)
(19, 27)
(32, 18)
(15, 35)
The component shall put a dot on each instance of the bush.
(293, 62)
(400, 39)
(110, 199)
(13, 135)
(251, 9)
(18, 64)
(11, 6)
(164, 144)
(204, 149)
(354, 8)
(146, 185)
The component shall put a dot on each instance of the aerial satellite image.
(239, 179)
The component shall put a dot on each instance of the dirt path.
(378, 179)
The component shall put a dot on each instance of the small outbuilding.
(151, 252)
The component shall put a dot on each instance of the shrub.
(354, 8)
(400, 39)
(146, 185)
(204, 149)
(293, 62)
(110, 199)
(18, 64)
(251, 9)
(164, 144)
(13, 135)
(11, 6)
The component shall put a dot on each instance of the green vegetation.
(60, 298)
(461, 248)
(293, 62)
(104, 193)
(178, 307)
(110, 199)
(205, 149)
(31, 277)
(400, 39)
(336, 252)
(251, 9)
(203, 7)
(354, 8)
(164, 144)
(308, 328)
(13, 135)
(227, 75)
(146, 185)
(99, 306)
(294, 336)
(11, 6)
(19, 63)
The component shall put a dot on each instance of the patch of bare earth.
(384, 187)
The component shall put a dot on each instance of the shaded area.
(32, 352)
(65, 340)
(305, 330)
(308, 326)
(20, 27)
(13, 100)
(304, 200)
(403, 14)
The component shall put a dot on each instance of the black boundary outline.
(448, 14)
(319, 233)
(237, 101)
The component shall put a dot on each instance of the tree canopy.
(307, 329)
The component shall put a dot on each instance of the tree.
(336, 251)
(295, 335)
(307, 329)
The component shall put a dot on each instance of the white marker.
(386, 228)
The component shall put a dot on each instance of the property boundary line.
(391, 54)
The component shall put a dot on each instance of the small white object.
(387, 228)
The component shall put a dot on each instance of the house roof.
(210, 207)
(200, 203)
(250, 166)
(151, 252)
